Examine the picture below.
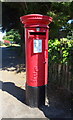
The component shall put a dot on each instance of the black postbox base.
(35, 96)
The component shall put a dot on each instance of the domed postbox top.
(35, 19)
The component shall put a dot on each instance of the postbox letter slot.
(37, 33)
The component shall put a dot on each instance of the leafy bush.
(70, 35)
(7, 44)
(12, 35)
(1, 43)
(61, 51)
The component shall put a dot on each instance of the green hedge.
(61, 51)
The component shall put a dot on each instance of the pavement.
(12, 93)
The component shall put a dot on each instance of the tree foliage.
(60, 11)
(12, 35)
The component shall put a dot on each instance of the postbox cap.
(35, 19)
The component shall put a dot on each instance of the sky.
(70, 21)
(1, 35)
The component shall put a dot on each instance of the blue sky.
(70, 21)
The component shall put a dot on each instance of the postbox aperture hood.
(36, 19)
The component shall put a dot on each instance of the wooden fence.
(61, 75)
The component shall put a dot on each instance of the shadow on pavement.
(15, 91)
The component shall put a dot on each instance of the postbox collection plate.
(37, 46)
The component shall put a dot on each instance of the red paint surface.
(36, 63)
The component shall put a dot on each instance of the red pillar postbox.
(36, 48)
